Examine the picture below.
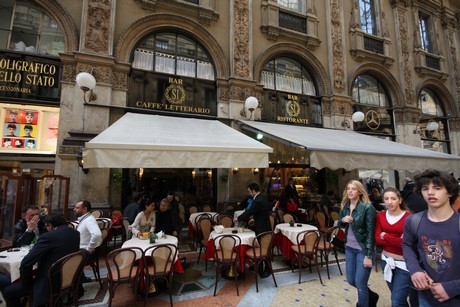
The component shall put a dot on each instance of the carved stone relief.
(238, 93)
(337, 49)
(405, 56)
(223, 94)
(241, 38)
(98, 25)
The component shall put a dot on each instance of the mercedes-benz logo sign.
(372, 120)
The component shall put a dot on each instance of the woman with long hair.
(389, 228)
(357, 216)
(145, 220)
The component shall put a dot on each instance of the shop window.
(371, 98)
(369, 38)
(433, 123)
(26, 28)
(295, 19)
(290, 93)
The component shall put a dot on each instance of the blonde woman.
(145, 220)
(357, 216)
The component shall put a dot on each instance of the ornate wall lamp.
(357, 117)
(250, 104)
(432, 125)
(255, 171)
(81, 162)
(87, 83)
(235, 170)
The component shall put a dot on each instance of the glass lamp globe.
(86, 81)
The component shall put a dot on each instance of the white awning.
(350, 150)
(155, 141)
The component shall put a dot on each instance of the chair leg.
(299, 260)
(317, 269)
(235, 269)
(337, 261)
(199, 255)
(273, 274)
(217, 277)
(256, 271)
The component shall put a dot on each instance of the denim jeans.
(357, 274)
(399, 286)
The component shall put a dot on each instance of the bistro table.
(246, 240)
(11, 261)
(286, 236)
(193, 218)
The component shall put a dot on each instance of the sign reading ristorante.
(29, 77)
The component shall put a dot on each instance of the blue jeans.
(357, 274)
(399, 286)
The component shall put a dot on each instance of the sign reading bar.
(29, 77)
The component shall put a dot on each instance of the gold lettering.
(283, 119)
(9, 76)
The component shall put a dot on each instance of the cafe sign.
(29, 77)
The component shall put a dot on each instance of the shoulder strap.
(415, 222)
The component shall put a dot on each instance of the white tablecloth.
(237, 214)
(193, 217)
(246, 237)
(292, 232)
(10, 265)
(144, 244)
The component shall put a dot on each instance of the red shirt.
(392, 242)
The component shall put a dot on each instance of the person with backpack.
(431, 241)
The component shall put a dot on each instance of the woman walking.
(357, 215)
(389, 228)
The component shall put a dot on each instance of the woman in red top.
(389, 227)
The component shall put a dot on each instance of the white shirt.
(90, 234)
(142, 224)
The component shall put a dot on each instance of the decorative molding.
(98, 26)
(337, 48)
(241, 38)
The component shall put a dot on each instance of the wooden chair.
(192, 209)
(274, 219)
(321, 221)
(311, 214)
(97, 213)
(334, 217)
(64, 278)
(122, 268)
(306, 251)
(207, 208)
(162, 259)
(262, 247)
(225, 220)
(126, 235)
(104, 226)
(287, 217)
(227, 253)
(204, 225)
(325, 247)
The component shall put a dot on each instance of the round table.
(286, 236)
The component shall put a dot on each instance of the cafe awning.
(156, 141)
(351, 150)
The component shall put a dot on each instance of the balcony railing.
(292, 22)
(374, 45)
(432, 62)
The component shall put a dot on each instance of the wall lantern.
(235, 170)
(81, 162)
(250, 104)
(255, 171)
(432, 125)
(87, 83)
(357, 117)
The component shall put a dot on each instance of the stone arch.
(167, 22)
(385, 78)
(304, 56)
(64, 20)
(443, 94)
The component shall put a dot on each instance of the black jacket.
(21, 236)
(259, 210)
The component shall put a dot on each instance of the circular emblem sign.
(292, 108)
(175, 94)
(372, 120)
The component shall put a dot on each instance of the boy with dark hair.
(432, 250)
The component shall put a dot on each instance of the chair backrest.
(287, 217)
(328, 236)
(311, 214)
(228, 248)
(334, 215)
(264, 244)
(121, 262)
(97, 213)
(274, 220)
(69, 269)
(207, 208)
(127, 231)
(310, 240)
(225, 220)
(321, 219)
(204, 226)
(163, 257)
(193, 209)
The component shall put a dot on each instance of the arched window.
(371, 98)
(24, 27)
(172, 72)
(433, 122)
(290, 93)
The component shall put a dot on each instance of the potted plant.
(153, 237)
(241, 226)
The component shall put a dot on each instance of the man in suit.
(29, 227)
(59, 241)
(291, 191)
(259, 210)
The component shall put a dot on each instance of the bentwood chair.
(122, 268)
(207, 208)
(64, 278)
(225, 220)
(306, 249)
(159, 263)
(325, 247)
(321, 221)
(334, 217)
(227, 253)
(204, 226)
(288, 217)
(262, 247)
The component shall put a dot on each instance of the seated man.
(28, 228)
(59, 241)
(165, 220)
